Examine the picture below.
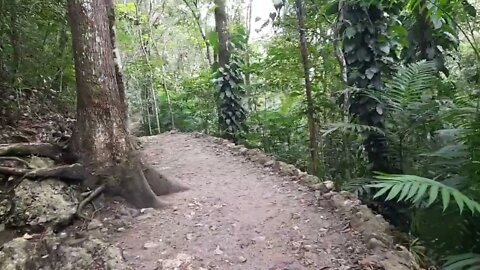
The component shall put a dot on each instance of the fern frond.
(469, 261)
(412, 188)
(409, 84)
(349, 127)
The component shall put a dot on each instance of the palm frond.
(414, 189)
(468, 261)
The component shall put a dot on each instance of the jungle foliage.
(394, 93)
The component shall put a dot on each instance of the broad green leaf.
(460, 202)
(405, 191)
(394, 192)
(413, 190)
(445, 198)
(421, 192)
(433, 194)
(382, 191)
(350, 32)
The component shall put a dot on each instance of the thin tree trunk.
(308, 87)
(346, 99)
(164, 82)
(247, 43)
(155, 103)
(62, 44)
(14, 40)
(222, 30)
(196, 16)
(147, 109)
(101, 139)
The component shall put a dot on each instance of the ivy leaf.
(371, 72)
(385, 48)
(350, 32)
(332, 8)
(469, 8)
(437, 22)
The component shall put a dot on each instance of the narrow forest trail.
(236, 215)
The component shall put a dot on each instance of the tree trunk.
(222, 30)
(247, 43)
(308, 87)
(116, 54)
(62, 44)
(164, 82)
(196, 16)
(14, 41)
(223, 51)
(101, 139)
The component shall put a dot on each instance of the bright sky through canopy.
(261, 9)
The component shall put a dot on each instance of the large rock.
(51, 253)
(42, 204)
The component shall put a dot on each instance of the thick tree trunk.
(101, 139)
(308, 87)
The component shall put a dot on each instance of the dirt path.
(237, 215)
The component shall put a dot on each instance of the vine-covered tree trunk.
(368, 60)
(101, 139)
(231, 114)
(426, 42)
(308, 87)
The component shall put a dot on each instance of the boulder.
(42, 204)
(51, 253)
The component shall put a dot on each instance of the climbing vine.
(370, 49)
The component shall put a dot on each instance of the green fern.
(353, 128)
(469, 261)
(411, 188)
(408, 86)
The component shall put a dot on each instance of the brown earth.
(236, 215)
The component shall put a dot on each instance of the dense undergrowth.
(406, 83)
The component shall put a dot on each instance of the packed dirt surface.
(236, 215)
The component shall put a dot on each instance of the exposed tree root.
(73, 172)
(89, 199)
(159, 183)
(133, 185)
(16, 159)
(38, 149)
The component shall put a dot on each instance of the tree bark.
(222, 30)
(308, 87)
(101, 139)
(223, 50)
(116, 54)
